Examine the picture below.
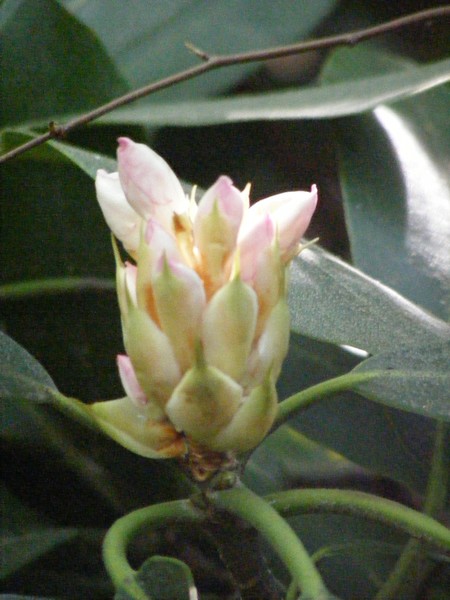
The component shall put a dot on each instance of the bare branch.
(211, 62)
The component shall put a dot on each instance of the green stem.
(392, 513)
(412, 565)
(125, 529)
(56, 285)
(302, 400)
(260, 514)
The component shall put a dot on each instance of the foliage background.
(369, 125)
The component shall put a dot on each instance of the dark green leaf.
(53, 229)
(51, 63)
(326, 101)
(20, 550)
(389, 442)
(52, 151)
(416, 379)
(162, 578)
(21, 376)
(396, 189)
(18, 597)
(288, 459)
(332, 301)
(397, 197)
(150, 44)
(363, 61)
(354, 554)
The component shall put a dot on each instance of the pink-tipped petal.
(150, 185)
(129, 381)
(121, 218)
(230, 202)
(254, 238)
(292, 212)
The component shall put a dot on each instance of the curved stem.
(211, 63)
(401, 517)
(411, 566)
(261, 515)
(302, 400)
(125, 529)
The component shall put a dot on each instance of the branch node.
(197, 51)
(57, 131)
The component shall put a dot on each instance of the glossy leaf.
(20, 550)
(161, 578)
(51, 63)
(319, 102)
(416, 379)
(288, 459)
(398, 208)
(334, 302)
(21, 376)
(150, 44)
(389, 442)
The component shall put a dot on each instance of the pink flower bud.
(150, 185)
(216, 228)
(291, 212)
(204, 315)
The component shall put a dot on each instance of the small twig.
(197, 51)
(212, 62)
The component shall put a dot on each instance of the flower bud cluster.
(203, 306)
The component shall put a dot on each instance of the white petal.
(121, 218)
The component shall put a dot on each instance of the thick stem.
(260, 514)
(239, 547)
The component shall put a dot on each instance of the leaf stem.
(261, 515)
(302, 400)
(210, 63)
(56, 285)
(125, 529)
(416, 524)
(411, 567)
